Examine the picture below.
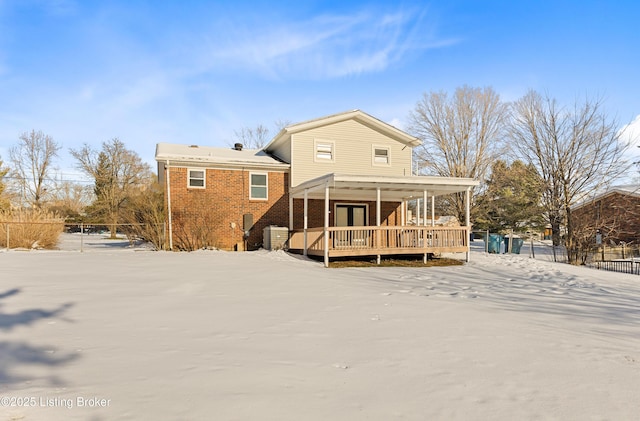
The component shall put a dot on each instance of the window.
(258, 186)
(196, 179)
(324, 151)
(381, 155)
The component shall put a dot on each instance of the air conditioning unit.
(275, 237)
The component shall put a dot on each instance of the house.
(340, 184)
(613, 215)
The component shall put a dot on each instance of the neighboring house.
(340, 184)
(613, 214)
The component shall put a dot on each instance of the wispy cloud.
(327, 46)
(630, 133)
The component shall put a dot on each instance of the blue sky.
(195, 72)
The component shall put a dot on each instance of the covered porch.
(371, 237)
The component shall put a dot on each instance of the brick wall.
(215, 214)
(617, 216)
(390, 212)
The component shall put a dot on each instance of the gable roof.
(357, 115)
(207, 155)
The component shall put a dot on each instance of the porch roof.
(356, 187)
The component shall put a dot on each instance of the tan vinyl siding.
(353, 152)
(283, 152)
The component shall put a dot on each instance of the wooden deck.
(387, 240)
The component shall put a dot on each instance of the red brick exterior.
(616, 216)
(215, 214)
(390, 212)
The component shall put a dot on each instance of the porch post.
(306, 219)
(403, 211)
(467, 217)
(378, 222)
(424, 232)
(424, 200)
(433, 211)
(417, 212)
(326, 225)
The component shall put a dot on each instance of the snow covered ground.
(123, 333)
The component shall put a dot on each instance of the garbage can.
(515, 245)
(493, 246)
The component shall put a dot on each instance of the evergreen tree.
(512, 199)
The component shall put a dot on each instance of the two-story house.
(340, 184)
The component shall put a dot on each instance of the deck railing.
(352, 241)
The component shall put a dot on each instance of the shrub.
(144, 215)
(30, 228)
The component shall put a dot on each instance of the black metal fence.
(621, 266)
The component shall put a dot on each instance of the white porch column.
(425, 237)
(467, 217)
(378, 207)
(424, 200)
(306, 219)
(326, 225)
(403, 213)
(433, 211)
(417, 212)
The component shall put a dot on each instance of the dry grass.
(30, 228)
(402, 261)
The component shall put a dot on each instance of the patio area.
(363, 238)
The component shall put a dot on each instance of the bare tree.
(259, 136)
(32, 160)
(70, 199)
(4, 200)
(462, 135)
(119, 173)
(253, 138)
(575, 151)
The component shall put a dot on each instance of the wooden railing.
(351, 241)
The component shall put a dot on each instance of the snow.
(209, 335)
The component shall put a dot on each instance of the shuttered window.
(324, 151)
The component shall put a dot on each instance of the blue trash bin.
(515, 245)
(494, 243)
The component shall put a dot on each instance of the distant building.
(613, 216)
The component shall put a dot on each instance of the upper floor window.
(258, 186)
(324, 151)
(196, 178)
(381, 155)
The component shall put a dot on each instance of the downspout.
(166, 167)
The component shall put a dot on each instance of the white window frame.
(321, 143)
(266, 185)
(203, 178)
(374, 161)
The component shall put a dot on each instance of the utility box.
(274, 237)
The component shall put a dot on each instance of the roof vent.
(237, 146)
